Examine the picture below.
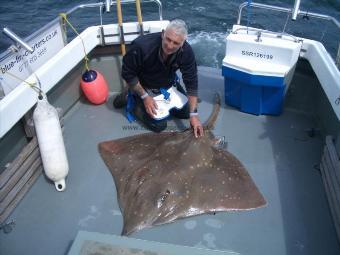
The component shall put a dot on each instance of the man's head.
(174, 36)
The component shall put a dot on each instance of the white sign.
(23, 63)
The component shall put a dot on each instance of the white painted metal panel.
(325, 69)
(23, 63)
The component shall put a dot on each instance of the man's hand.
(196, 126)
(150, 106)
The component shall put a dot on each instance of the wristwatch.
(194, 112)
(144, 95)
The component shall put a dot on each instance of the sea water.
(208, 21)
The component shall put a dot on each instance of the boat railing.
(294, 12)
(102, 6)
(260, 31)
(112, 3)
(286, 10)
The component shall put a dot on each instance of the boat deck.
(277, 152)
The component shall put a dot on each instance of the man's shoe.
(120, 100)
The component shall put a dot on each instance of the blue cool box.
(256, 94)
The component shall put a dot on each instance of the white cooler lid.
(271, 55)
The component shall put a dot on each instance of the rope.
(32, 85)
(63, 15)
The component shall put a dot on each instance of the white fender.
(51, 143)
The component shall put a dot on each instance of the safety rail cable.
(286, 10)
(100, 5)
(337, 61)
(278, 34)
(81, 6)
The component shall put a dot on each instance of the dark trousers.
(159, 125)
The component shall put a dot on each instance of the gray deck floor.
(276, 151)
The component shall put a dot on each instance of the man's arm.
(149, 103)
(188, 69)
(194, 119)
(192, 103)
(138, 89)
(132, 63)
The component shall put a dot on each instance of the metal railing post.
(296, 9)
(17, 39)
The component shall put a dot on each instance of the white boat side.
(325, 69)
(14, 105)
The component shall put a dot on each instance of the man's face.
(171, 41)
